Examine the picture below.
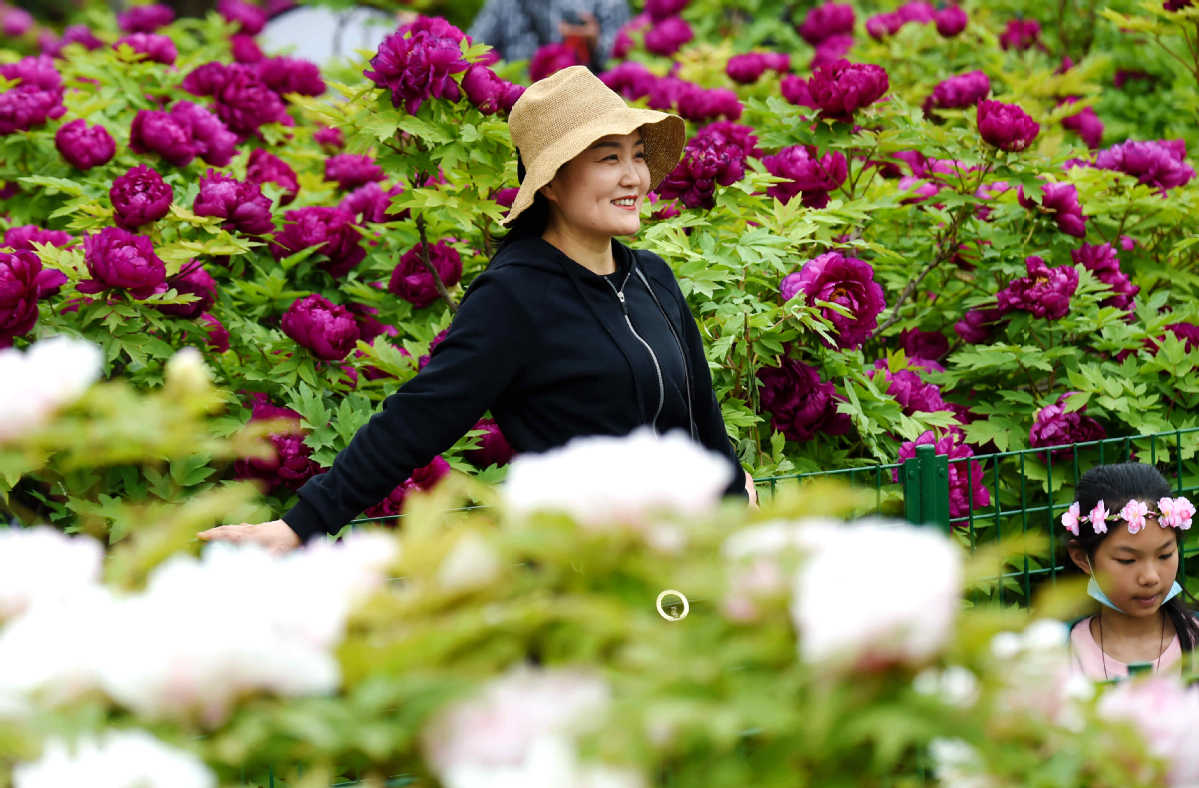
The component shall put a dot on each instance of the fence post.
(926, 488)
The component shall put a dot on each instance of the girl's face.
(600, 191)
(1135, 570)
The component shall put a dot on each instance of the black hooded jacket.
(554, 352)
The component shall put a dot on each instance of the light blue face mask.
(1096, 593)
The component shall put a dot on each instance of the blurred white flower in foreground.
(36, 563)
(204, 632)
(121, 759)
(186, 371)
(1035, 667)
(875, 593)
(49, 374)
(629, 480)
(957, 764)
(761, 560)
(1167, 715)
(520, 730)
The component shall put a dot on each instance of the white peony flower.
(187, 371)
(956, 685)
(875, 592)
(629, 480)
(471, 564)
(119, 759)
(41, 562)
(957, 764)
(1037, 675)
(519, 731)
(49, 374)
(1167, 715)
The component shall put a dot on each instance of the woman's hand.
(275, 535)
(751, 490)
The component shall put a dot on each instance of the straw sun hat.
(558, 117)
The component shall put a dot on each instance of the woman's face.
(1137, 570)
(600, 191)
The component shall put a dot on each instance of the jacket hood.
(537, 253)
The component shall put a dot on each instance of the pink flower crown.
(1170, 513)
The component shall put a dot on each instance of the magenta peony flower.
(1061, 201)
(15, 22)
(631, 80)
(847, 281)
(250, 19)
(243, 205)
(1054, 426)
(411, 279)
(551, 58)
(657, 10)
(36, 98)
(813, 177)
(244, 102)
(74, 34)
(1187, 332)
(20, 276)
(668, 35)
(725, 133)
(145, 18)
(140, 196)
(698, 104)
(194, 280)
(959, 92)
(422, 479)
(966, 488)
(1045, 292)
(245, 49)
(418, 61)
(800, 404)
(917, 11)
(880, 26)
(494, 448)
(83, 147)
(369, 204)
(1020, 34)
(950, 20)
(831, 50)
(909, 390)
(292, 464)
(977, 325)
(158, 132)
(1102, 261)
(923, 345)
(622, 45)
(506, 197)
(350, 170)
(748, 68)
(825, 21)
(155, 48)
(1006, 126)
(24, 236)
(1153, 163)
(842, 88)
(325, 329)
(218, 335)
(486, 90)
(332, 229)
(423, 361)
(211, 141)
(1088, 126)
(710, 162)
(329, 138)
(291, 75)
(119, 259)
(795, 90)
(264, 167)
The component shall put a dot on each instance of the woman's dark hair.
(531, 222)
(1116, 485)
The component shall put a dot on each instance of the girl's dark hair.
(1116, 485)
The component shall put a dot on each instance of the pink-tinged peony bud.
(83, 147)
(331, 229)
(418, 61)
(800, 404)
(1045, 292)
(119, 259)
(329, 138)
(668, 36)
(1006, 126)
(350, 170)
(158, 132)
(959, 92)
(842, 88)
(292, 464)
(825, 21)
(156, 48)
(218, 335)
(243, 205)
(847, 281)
(264, 167)
(494, 448)
(245, 49)
(950, 20)
(488, 92)
(1020, 34)
(552, 58)
(412, 281)
(249, 18)
(327, 330)
(145, 18)
(194, 280)
(19, 292)
(291, 75)
(140, 196)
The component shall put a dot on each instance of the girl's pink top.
(1088, 659)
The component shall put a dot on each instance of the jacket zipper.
(624, 307)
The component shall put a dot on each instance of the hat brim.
(664, 136)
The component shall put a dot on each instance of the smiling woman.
(567, 333)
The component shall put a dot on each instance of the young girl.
(1126, 533)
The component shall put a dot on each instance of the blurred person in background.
(518, 28)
